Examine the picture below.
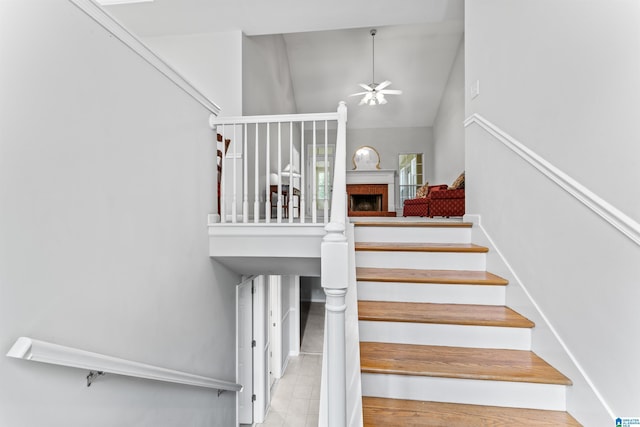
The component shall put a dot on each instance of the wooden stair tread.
(407, 275)
(450, 314)
(458, 362)
(380, 412)
(420, 247)
(412, 224)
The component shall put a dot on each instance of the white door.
(275, 328)
(261, 385)
(244, 338)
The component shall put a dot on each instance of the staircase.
(438, 347)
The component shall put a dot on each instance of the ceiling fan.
(374, 92)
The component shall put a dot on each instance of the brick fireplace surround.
(369, 193)
(368, 199)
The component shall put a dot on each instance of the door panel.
(245, 351)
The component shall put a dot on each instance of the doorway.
(312, 302)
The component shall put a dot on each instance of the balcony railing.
(276, 168)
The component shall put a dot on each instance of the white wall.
(106, 179)
(570, 94)
(448, 128)
(572, 88)
(267, 89)
(266, 78)
(212, 62)
(389, 142)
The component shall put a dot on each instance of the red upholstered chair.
(420, 205)
(444, 202)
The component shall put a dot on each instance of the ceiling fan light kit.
(374, 93)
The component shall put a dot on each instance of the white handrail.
(102, 17)
(622, 222)
(42, 351)
(215, 121)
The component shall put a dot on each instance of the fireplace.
(365, 202)
(368, 200)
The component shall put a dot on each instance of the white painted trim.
(476, 219)
(102, 17)
(280, 118)
(513, 394)
(42, 351)
(608, 212)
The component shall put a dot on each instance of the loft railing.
(99, 364)
(264, 170)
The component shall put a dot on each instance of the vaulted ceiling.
(329, 46)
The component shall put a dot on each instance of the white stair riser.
(473, 392)
(413, 234)
(446, 335)
(431, 292)
(422, 260)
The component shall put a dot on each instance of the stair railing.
(335, 281)
(265, 165)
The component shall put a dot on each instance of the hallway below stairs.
(439, 346)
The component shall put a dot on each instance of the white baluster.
(326, 172)
(290, 192)
(256, 186)
(301, 206)
(234, 205)
(223, 193)
(314, 196)
(267, 192)
(279, 205)
(245, 177)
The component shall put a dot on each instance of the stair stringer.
(584, 401)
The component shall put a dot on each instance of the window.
(323, 174)
(410, 175)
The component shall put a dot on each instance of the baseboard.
(584, 401)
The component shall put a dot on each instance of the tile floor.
(295, 397)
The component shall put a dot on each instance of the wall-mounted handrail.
(622, 222)
(102, 17)
(42, 351)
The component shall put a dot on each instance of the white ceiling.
(329, 46)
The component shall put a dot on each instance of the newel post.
(335, 280)
(334, 272)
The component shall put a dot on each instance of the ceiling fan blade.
(383, 85)
(365, 87)
(359, 93)
(391, 92)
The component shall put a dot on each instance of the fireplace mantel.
(380, 176)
